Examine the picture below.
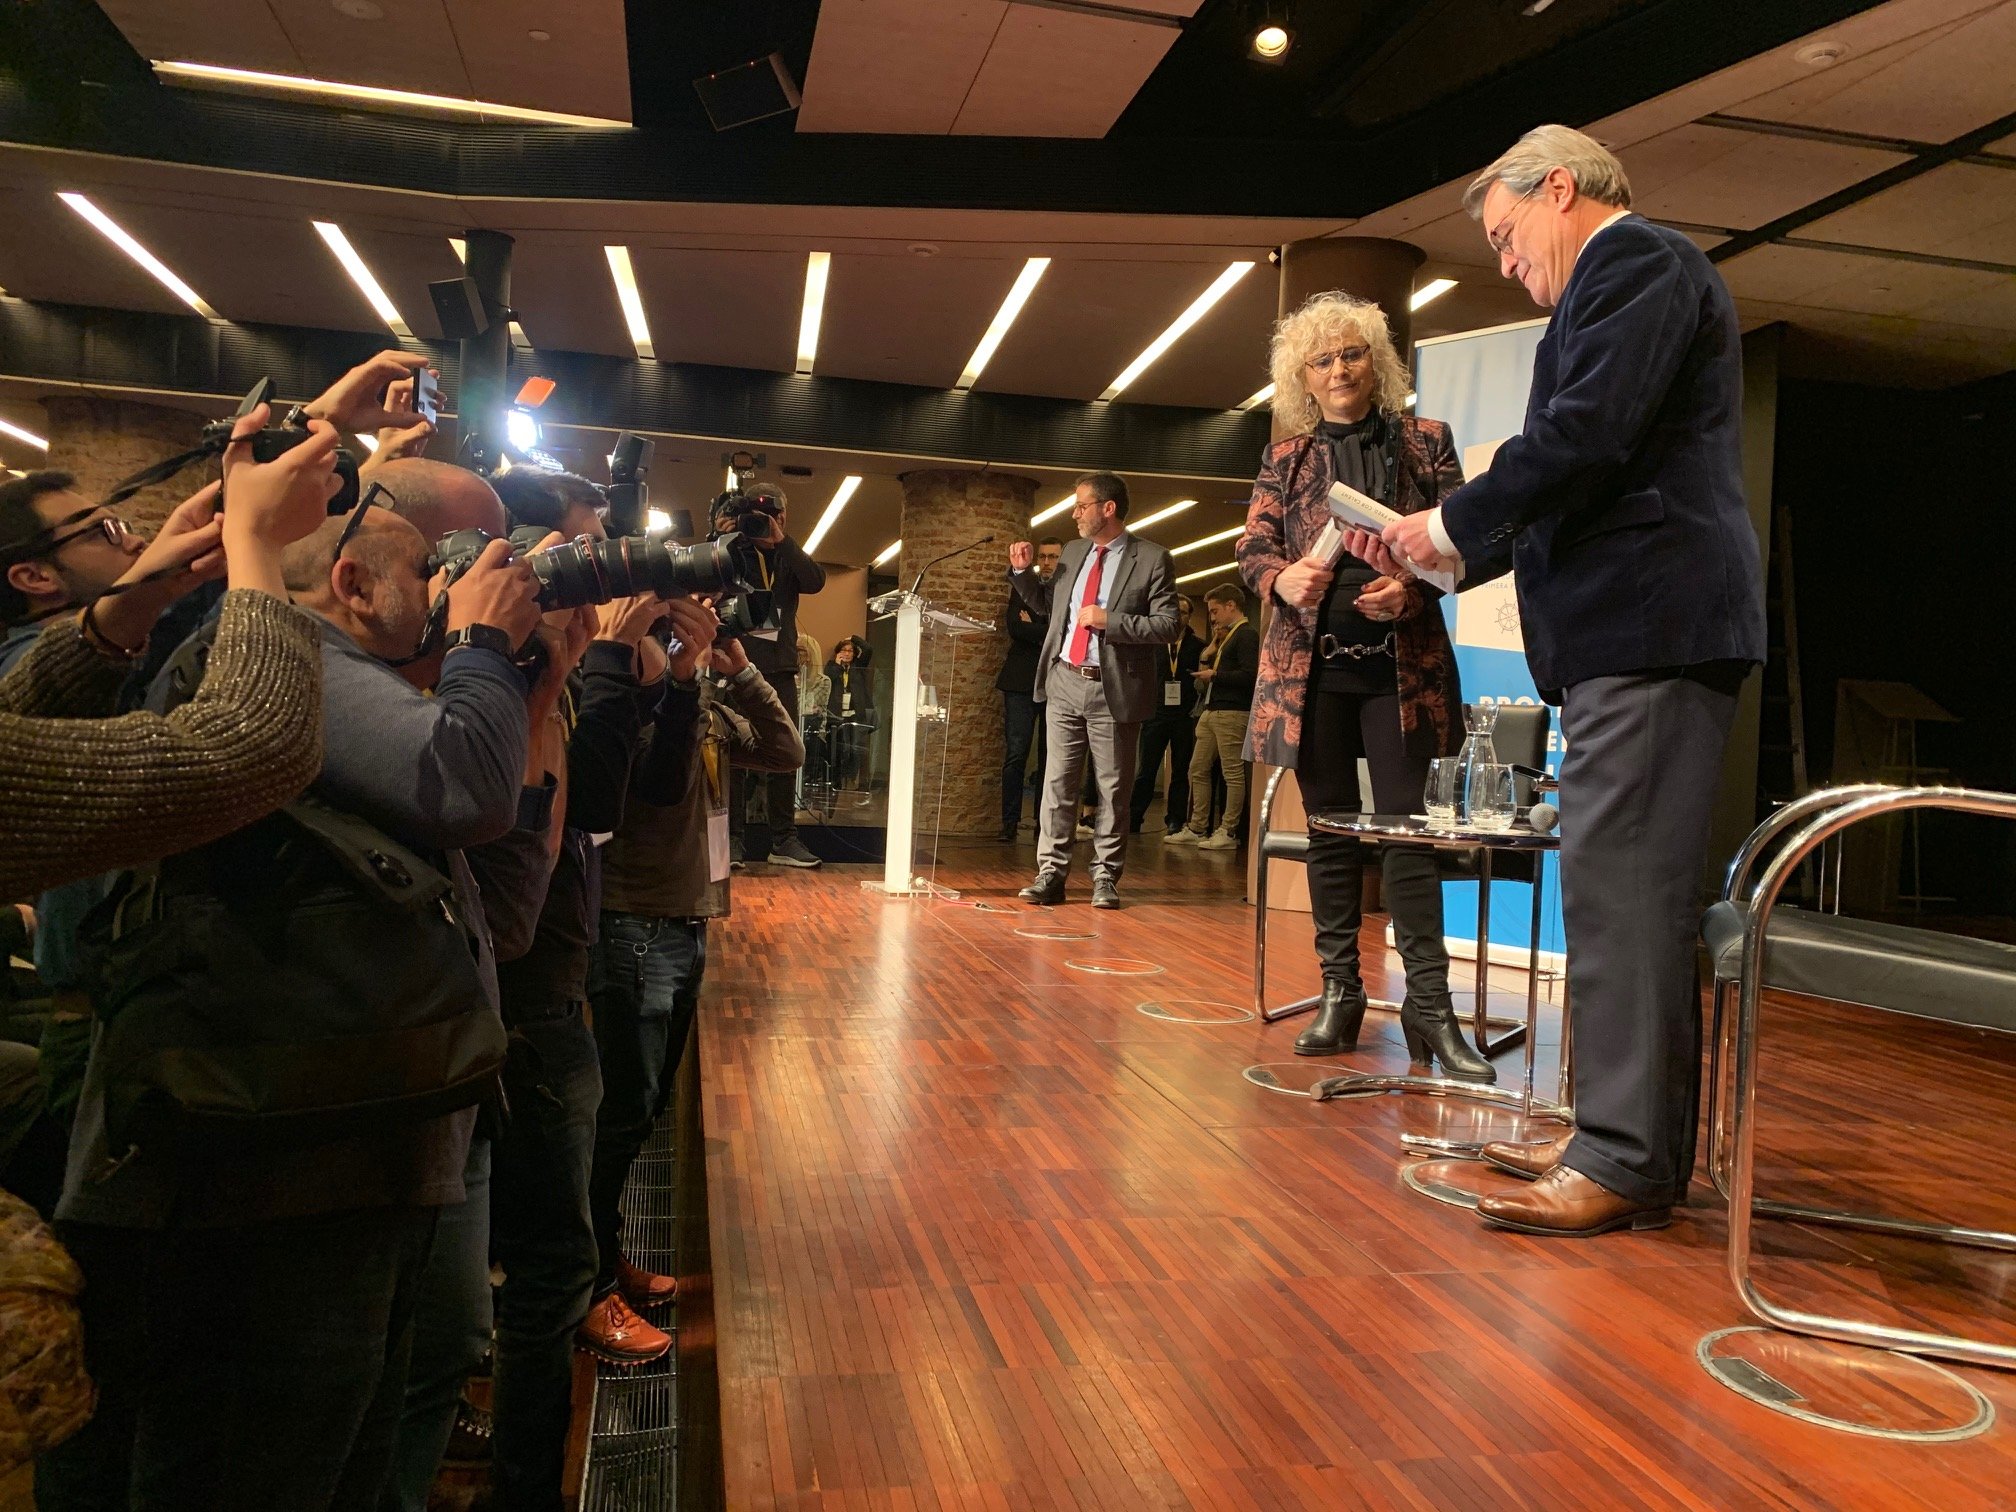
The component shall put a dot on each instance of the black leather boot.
(1336, 1027)
(1434, 1035)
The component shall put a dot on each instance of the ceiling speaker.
(459, 308)
(754, 92)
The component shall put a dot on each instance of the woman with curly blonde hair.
(1355, 664)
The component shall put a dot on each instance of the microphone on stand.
(969, 546)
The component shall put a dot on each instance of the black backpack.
(302, 980)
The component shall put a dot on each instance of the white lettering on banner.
(1488, 617)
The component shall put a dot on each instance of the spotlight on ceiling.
(1271, 43)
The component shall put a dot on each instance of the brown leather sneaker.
(642, 1288)
(1528, 1160)
(1568, 1205)
(614, 1333)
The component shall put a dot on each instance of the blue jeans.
(451, 1334)
(242, 1369)
(539, 1231)
(645, 985)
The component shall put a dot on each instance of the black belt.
(1331, 649)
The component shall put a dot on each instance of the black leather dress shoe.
(1047, 889)
(1105, 893)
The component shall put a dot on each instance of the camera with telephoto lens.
(588, 571)
(274, 441)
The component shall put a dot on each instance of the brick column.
(105, 440)
(943, 510)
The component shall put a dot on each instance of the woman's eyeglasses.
(1350, 356)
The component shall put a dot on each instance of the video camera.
(748, 512)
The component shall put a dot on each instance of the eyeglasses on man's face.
(54, 538)
(1500, 236)
(1349, 356)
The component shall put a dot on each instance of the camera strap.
(159, 472)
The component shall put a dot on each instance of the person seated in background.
(1225, 677)
(665, 874)
(249, 1302)
(850, 707)
(814, 687)
(1171, 730)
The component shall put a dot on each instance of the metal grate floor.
(633, 1436)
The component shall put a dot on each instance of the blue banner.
(1477, 382)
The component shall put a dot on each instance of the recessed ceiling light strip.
(1055, 509)
(8, 428)
(1227, 567)
(118, 235)
(1434, 289)
(180, 72)
(889, 553)
(1161, 514)
(1011, 307)
(360, 275)
(630, 299)
(1199, 308)
(827, 520)
(818, 267)
(1210, 540)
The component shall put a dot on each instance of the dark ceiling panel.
(728, 309)
(1223, 358)
(49, 253)
(907, 319)
(566, 299)
(271, 269)
(1087, 321)
(405, 263)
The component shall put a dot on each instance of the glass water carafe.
(1480, 797)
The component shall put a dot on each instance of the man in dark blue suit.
(1619, 511)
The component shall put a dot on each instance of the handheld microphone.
(969, 546)
(1542, 818)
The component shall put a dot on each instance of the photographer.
(786, 574)
(540, 1227)
(666, 874)
(850, 707)
(144, 787)
(249, 1304)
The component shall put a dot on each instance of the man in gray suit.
(1112, 607)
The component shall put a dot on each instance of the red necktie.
(1081, 638)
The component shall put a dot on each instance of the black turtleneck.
(1361, 457)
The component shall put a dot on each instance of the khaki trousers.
(1221, 734)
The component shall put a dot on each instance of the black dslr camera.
(749, 515)
(588, 571)
(274, 440)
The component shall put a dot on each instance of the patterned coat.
(1280, 530)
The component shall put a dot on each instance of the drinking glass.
(1493, 797)
(1445, 780)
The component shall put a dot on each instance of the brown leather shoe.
(1528, 1160)
(614, 1333)
(1566, 1204)
(642, 1288)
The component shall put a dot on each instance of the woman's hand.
(354, 401)
(1383, 599)
(1373, 552)
(1303, 583)
(274, 504)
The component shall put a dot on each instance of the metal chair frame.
(1733, 1122)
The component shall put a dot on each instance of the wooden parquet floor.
(986, 1236)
